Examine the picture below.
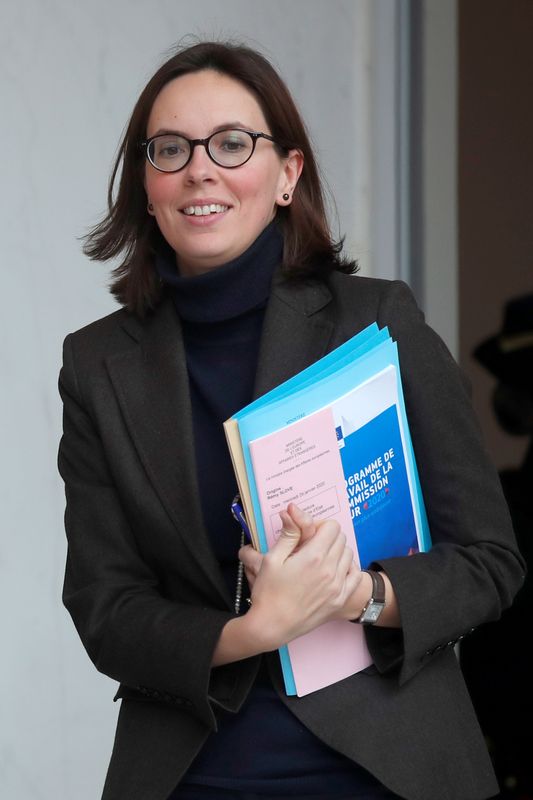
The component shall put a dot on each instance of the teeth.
(199, 211)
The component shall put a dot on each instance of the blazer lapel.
(296, 332)
(151, 382)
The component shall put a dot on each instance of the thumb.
(289, 536)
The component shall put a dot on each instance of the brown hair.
(309, 249)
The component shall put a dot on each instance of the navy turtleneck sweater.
(263, 748)
(222, 314)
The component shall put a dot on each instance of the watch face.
(372, 612)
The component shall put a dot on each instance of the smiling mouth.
(204, 211)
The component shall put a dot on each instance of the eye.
(232, 145)
(231, 142)
(169, 148)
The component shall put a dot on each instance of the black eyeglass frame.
(254, 135)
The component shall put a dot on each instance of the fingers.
(346, 562)
(322, 561)
(302, 520)
(251, 558)
(301, 583)
(288, 540)
(252, 561)
(318, 538)
(325, 550)
(250, 577)
(337, 560)
(290, 528)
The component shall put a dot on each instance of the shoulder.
(90, 344)
(100, 328)
(88, 351)
(368, 300)
(369, 291)
(116, 331)
(360, 301)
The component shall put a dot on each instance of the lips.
(204, 210)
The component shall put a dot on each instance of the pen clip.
(238, 514)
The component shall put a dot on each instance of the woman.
(230, 284)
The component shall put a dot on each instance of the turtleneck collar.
(227, 291)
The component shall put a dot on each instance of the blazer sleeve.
(159, 649)
(473, 569)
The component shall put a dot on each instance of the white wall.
(70, 72)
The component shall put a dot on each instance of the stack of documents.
(333, 439)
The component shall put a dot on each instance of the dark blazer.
(146, 593)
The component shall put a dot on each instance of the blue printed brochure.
(335, 440)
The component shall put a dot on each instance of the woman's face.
(196, 105)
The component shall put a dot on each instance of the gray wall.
(439, 168)
(70, 73)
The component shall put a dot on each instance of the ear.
(292, 167)
(149, 206)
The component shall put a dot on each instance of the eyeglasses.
(170, 152)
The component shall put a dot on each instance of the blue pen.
(238, 513)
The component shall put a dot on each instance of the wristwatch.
(376, 604)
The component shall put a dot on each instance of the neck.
(229, 290)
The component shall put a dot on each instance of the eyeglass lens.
(230, 148)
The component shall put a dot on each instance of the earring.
(286, 196)
(150, 207)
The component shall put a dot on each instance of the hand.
(303, 581)
(307, 578)
(252, 559)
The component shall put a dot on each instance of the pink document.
(301, 463)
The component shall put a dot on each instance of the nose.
(200, 167)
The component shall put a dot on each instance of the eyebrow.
(225, 126)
